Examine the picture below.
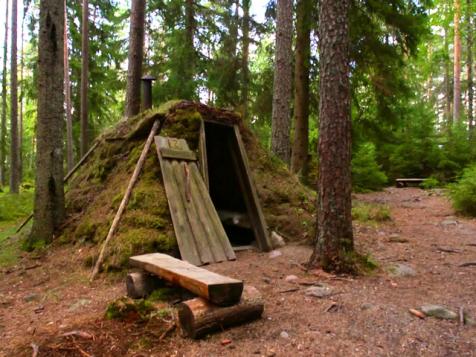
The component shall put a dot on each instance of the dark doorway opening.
(227, 183)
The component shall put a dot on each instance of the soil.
(43, 299)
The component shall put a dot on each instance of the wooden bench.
(405, 182)
(216, 288)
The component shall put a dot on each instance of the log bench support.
(405, 182)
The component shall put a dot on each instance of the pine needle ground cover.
(95, 192)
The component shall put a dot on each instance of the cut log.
(141, 284)
(199, 317)
(218, 289)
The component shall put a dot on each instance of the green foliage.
(366, 173)
(429, 183)
(371, 213)
(126, 308)
(13, 207)
(463, 192)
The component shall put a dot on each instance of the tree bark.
(280, 121)
(67, 96)
(334, 245)
(190, 27)
(84, 79)
(14, 148)
(136, 55)
(469, 63)
(299, 159)
(3, 124)
(49, 210)
(457, 63)
(22, 94)
(245, 58)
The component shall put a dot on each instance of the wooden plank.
(187, 247)
(200, 234)
(202, 151)
(251, 196)
(216, 288)
(187, 155)
(219, 243)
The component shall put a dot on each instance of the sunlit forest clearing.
(237, 177)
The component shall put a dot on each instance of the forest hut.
(250, 192)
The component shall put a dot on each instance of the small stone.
(291, 278)
(270, 353)
(267, 280)
(277, 241)
(319, 291)
(449, 222)
(79, 303)
(225, 342)
(469, 321)
(31, 297)
(284, 334)
(366, 306)
(395, 238)
(274, 254)
(257, 352)
(402, 270)
(438, 311)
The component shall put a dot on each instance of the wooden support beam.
(141, 284)
(218, 289)
(199, 317)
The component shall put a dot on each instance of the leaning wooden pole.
(65, 180)
(127, 195)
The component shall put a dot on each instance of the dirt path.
(366, 316)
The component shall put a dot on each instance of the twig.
(288, 290)
(468, 264)
(35, 348)
(461, 315)
(166, 332)
(115, 223)
(448, 250)
(417, 313)
(82, 334)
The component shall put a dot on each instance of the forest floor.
(50, 303)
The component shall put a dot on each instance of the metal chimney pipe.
(147, 91)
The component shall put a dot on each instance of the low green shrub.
(371, 212)
(463, 192)
(429, 183)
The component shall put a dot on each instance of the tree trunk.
(49, 208)
(245, 58)
(457, 63)
(14, 148)
(299, 159)
(448, 97)
(136, 54)
(190, 27)
(84, 79)
(469, 62)
(67, 96)
(22, 94)
(334, 244)
(3, 124)
(280, 122)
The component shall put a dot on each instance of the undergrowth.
(371, 213)
(463, 192)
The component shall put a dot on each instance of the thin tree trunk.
(245, 58)
(334, 244)
(14, 148)
(49, 208)
(448, 97)
(469, 62)
(299, 159)
(3, 125)
(84, 79)
(136, 55)
(67, 94)
(280, 121)
(22, 94)
(457, 63)
(190, 27)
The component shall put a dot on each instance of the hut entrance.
(231, 187)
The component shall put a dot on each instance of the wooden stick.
(127, 195)
(65, 180)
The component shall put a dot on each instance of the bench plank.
(218, 289)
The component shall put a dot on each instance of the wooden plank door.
(200, 234)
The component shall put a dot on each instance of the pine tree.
(14, 142)
(457, 63)
(299, 159)
(136, 55)
(282, 84)
(49, 209)
(67, 96)
(469, 61)
(334, 243)
(84, 110)
(3, 124)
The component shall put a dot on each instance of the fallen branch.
(65, 180)
(461, 315)
(35, 348)
(78, 333)
(115, 223)
(468, 264)
(417, 313)
(166, 332)
(288, 290)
